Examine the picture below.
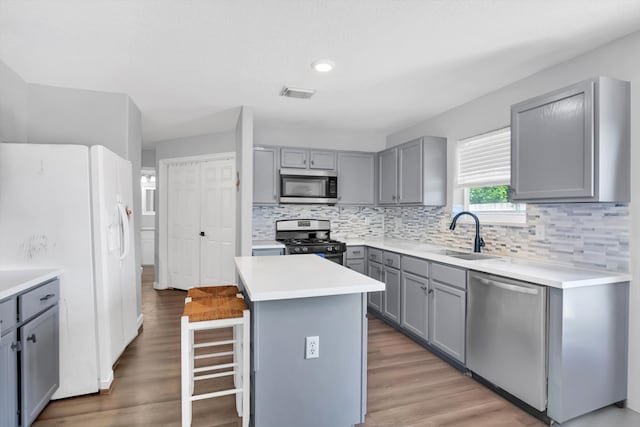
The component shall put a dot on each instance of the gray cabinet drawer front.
(375, 255)
(415, 265)
(266, 252)
(391, 259)
(39, 299)
(450, 275)
(8, 317)
(355, 252)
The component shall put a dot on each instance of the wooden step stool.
(216, 312)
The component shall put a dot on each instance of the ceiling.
(397, 61)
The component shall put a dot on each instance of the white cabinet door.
(217, 217)
(388, 177)
(202, 223)
(184, 225)
(415, 304)
(447, 319)
(322, 160)
(293, 158)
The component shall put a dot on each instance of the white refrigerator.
(69, 206)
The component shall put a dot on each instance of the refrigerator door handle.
(125, 230)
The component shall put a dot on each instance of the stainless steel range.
(310, 236)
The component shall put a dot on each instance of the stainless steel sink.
(473, 256)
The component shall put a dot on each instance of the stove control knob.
(305, 249)
(296, 249)
(329, 248)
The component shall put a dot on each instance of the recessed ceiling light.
(323, 65)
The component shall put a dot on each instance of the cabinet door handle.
(32, 337)
(373, 256)
(339, 197)
(313, 162)
(430, 291)
(389, 261)
(356, 252)
(202, 233)
(423, 287)
(15, 346)
(274, 197)
(304, 162)
(47, 296)
(393, 197)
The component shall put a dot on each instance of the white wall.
(318, 138)
(244, 168)
(74, 116)
(618, 59)
(13, 106)
(149, 158)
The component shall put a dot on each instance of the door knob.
(202, 233)
(32, 337)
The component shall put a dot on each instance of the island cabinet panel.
(415, 304)
(320, 159)
(376, 299)
(392, 294)
(572, 144)
(356, 178)
(294, 158)
(289, 390)
(8, 380)
(265, 175)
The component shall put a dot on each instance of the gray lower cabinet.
(376, 299)
(356, 178)
(392, 294)
(8, 380)
(267, 252)
(447, 319)
(357, 265)
(265, 175)
(573, 144)
(415, 304)
(39, 363)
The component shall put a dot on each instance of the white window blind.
(485, 159)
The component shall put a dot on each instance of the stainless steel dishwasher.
(507, 336)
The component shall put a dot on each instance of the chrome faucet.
(478, 242)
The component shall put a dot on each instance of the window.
(484, 174)
(148, 187)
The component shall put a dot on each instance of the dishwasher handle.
(509, 287)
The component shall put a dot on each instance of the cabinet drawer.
(415, 265)
(450, 275)
(266, 252)
(8, 316)
(391, 259)
(355, 252)
(39, 299)
(375, 255)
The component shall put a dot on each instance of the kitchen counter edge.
(11, 285)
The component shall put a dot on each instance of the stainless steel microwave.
(308, 186)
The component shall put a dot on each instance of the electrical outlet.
(312, 348)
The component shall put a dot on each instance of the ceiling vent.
(294, 92)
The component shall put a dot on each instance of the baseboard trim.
(140, 322)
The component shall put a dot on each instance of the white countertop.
(266, 244)
(301, 276)
(16, 281)
(539, 272)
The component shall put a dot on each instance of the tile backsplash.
(346, 222)
(592, 235)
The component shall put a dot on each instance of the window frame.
(512, 218)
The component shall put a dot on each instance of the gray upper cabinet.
(414, 173)
(410, 172)
(573, 144)
(265, 175)
(356, 178)
(322, 160)
(388, 176)
(294, 158)
(8, 380)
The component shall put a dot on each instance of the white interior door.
(201, 223)
(218, 218)
(184, 225)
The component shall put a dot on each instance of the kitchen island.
(292, 298)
